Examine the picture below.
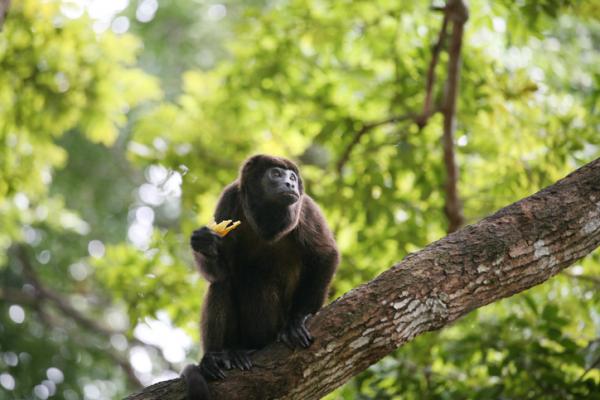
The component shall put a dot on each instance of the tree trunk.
(519, 247)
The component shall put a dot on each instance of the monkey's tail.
(197, 388)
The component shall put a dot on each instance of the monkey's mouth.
(289, 195)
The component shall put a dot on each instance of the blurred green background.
(121, 121)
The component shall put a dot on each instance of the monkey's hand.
(214, 363)
(295, 334)
(206, 241)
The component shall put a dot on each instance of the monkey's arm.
(319, 266)
(320, 259)
(211, 251)
(318, 269)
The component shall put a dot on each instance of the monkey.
(267, 276)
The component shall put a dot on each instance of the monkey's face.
(280, 186)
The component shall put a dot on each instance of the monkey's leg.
(220, 333)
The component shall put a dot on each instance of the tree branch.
(586, 278)
(36, 302)
(4, 5)
(519, 247)
(428, 109)
(17, 296)
(593, 365)
(365, 129)
(435, 56)
(43, 293)
(456, 11)
(61, 303)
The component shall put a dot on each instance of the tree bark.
(519, 247)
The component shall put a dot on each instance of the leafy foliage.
(100, 188)
(56, 75)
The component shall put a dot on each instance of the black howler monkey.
(267, 275)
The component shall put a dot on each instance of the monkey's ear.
(251, 163)
(248, 165)
(250, 172)
(254, 159)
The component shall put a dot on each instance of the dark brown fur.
(271, 271)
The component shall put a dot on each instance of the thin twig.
(587, 278)
(365, 129)
(456, 11)
(4, 5)
(16, 296)
(437, 48)
(588, 369)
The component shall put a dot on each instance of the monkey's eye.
(275, 172)
(293, 177)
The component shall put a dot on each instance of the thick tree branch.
(519, 247)
(457, 13)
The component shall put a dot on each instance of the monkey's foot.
(239, 359)
(211, 366)
(295, 334)
(214, 363)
